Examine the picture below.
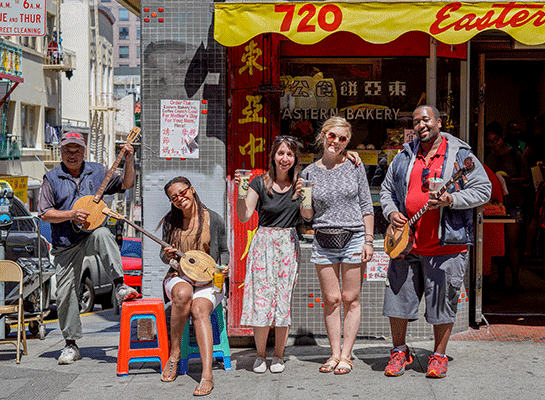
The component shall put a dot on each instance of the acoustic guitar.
(399, 241)
(196, 264)
(94, 204)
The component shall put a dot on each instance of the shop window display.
(376, 95)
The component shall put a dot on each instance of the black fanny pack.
(333, 238)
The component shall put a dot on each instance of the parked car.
(22, 247)
(131, 256)
(95, 285)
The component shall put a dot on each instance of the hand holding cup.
(243, 182)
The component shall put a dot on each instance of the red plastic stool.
(140, 350)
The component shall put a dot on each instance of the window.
(123, 51)
(123, 14)
(137, 33)
(29, 41)
(29, 117)
(123, 32)
(137, 51)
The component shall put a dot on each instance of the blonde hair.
(331, 123)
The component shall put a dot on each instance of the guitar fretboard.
(102, 188)
(440, 192)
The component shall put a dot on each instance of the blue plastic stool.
(190, 349)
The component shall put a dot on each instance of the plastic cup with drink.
(306, 193)
(435, 184)
(219, 278)
(244, 183)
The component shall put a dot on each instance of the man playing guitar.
(61, 187)
(436, 264)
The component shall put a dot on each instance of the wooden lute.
(94, 204)
(399, 241)
(196, 264)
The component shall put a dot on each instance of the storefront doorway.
(514, 96)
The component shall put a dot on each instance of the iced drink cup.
(435, 184)
(244, 183)
(306, 193)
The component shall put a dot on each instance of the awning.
(378, 22)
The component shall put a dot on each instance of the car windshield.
(131, 248)
(18, 210)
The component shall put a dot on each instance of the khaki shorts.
(438, 278)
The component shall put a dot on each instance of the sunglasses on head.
(425, 179)
(332, 136)
(285, 138)
(180, 194)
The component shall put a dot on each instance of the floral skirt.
(271, 275)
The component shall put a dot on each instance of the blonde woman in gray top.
(342, 211)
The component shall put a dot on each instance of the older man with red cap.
(62, 186)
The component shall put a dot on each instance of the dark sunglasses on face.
(180, 194)
(425, 179)
(332, 136)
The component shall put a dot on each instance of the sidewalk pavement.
(478, 369)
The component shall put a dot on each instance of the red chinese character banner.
(253, 120)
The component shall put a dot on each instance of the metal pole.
(2, 289)
(432, 74)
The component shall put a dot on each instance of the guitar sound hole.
(192, 261)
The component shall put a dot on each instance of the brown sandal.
(170, 366)
(200, 385)
(330, 364)
(344, 366)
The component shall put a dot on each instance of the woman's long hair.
(173, 221)
(270, 177)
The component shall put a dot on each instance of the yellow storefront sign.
(368, 157)
(19, 184)
(378, 22)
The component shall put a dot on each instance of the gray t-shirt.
(340, 196)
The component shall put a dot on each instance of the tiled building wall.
(307, 311)
(180, 61)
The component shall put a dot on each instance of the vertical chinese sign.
(254, 120)
(179, 128)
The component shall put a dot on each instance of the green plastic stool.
(190, 349)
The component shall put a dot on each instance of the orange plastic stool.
(140, 350)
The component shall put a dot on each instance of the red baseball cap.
(73, 137)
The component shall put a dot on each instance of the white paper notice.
(378, 266)
(179, 128)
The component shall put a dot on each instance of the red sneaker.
(398, 360)
(437, 366)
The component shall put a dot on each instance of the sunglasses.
(425, 180)
(332, 136)
(285, 138)
(181, 194)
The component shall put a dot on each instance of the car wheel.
(87, 299)
(33, 327)
(106, 300)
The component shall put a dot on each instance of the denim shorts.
(349, 254)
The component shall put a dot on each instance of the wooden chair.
(11, 272)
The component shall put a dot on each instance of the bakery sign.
(378, 22)
(23, 17)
